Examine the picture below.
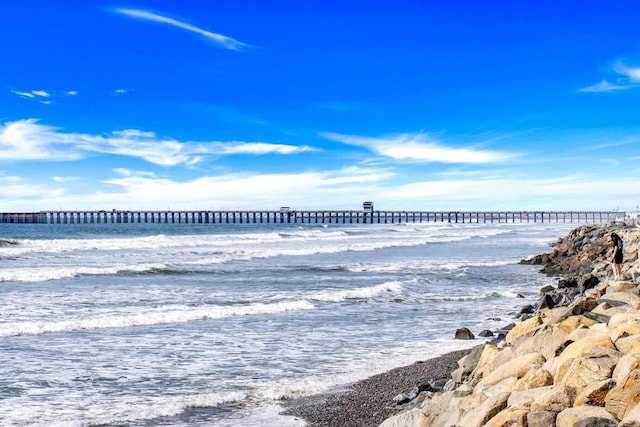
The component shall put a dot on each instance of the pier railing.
(301, 217)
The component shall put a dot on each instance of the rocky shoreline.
(572, 360)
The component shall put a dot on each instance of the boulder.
(533, 379)
(631, 417)
(541, 419)
(555, 399)
(523, 328)
(592, 366)
(480, 415)
(571, 416)
(516, 367)
(594, 394)
(405, 419)
(624, 395)
(509, 418)
(464, 334)
(524, 398)
(585, 345)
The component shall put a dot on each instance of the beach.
(370, 401)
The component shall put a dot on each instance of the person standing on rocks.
(616, 258)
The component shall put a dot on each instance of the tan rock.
(631, 418)
(555, 399)
(545, 340)
(523, 399)
(621, 318)
(441, 408)
(625, 329)
(535, 378)
(584, 345)
(509, 418)
(569, 416)
(622, 286)
(594, 365)
(409, 418)
(494, 357)
(480, 415)
(541, 419)
(523, 328)
(628, 298)
(624, 395)
(626, 364)
(571, 323)
(628, 344)
(516, 367)
(594, 394)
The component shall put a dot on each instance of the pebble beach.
(370, 401)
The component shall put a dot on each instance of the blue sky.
(430, 105)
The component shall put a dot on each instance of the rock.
(516, 367)
(404, 419)
(571, 416)
(541, 419)
(587, 281)
(555, 399)
(534, 379)
(481, 414)
(595, 393)
(631, 417)
(523, 328)
(570, 282)
(624, 395)
(593, 366)
(516, 418)
(585, 345)
(464, 334)
(596, 422)
(486, 333)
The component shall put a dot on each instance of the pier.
(302, 217)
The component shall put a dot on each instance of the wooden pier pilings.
(300, 217)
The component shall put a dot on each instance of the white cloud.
(419, 147)
(120, 91)
(23, 94)
(628, 78)
(72, 93)
(632, 73)
(219, 39)
(42, 93)
(30, 140)
(604, 86)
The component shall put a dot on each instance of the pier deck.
(300, 217)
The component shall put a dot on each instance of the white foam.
(357, 293)
(150, 316)
(42, 274)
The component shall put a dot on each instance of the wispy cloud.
(30, 140)
(219, 39)
(42, 96)
(627, 78)
(420, 147)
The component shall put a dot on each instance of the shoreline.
(370, 401)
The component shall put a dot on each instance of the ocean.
(214, 325)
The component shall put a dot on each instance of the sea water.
(216, 325)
